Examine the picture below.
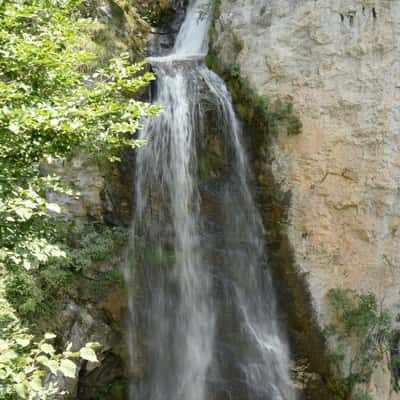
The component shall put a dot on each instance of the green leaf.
(47, 348)
(27, 264)
(49, 336)
(8, 356)
(3, 374)
(53, 207)
(52, 365)
(22, 390)
(23, 213)
(43, 359)
(36, 384)
(88, 354)
(23, 342)
(67, 368)
(93, 345)
(14, 128)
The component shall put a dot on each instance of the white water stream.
(202, 309)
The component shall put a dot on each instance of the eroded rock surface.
(101, 191)
(339, 61)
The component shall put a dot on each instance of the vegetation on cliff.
(51, 104)
(25, 362)
(264, 114)
(364, 337)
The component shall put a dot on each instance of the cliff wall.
(339, 62)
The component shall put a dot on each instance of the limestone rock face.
(101, 191)
(339, 61)
(85, 179)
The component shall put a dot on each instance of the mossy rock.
(117, 27)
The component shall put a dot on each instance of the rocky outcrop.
(338, 60)
(93, 311)
(100, 191)
(101, 323)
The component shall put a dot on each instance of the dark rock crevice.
(312, 370)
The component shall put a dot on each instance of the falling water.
(202, 312)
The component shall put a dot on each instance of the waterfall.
(202, 307)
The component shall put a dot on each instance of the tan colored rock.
(101, 190)
(114, 305)
(86, 180)
(380, 384)
(339, 61)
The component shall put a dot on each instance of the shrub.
(367, 327)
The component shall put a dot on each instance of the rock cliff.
(339, 62)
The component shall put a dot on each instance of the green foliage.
(39, 290)
(114, 29)
(361, 395)
(366, 326)
(153, 255)
(237, 43)
(234, 71)
(116, 390)
(259, 111)
(26, 362)
(215, 13)
(159, 14)
(48, 108)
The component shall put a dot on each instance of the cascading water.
(202, 312)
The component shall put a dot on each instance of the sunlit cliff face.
(339, 62)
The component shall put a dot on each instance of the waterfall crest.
(206, 307)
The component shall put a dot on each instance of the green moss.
(209, 165)
(116, 390)
(104, 281)
(237, 43)
(212, 160)
(216, 11)
(152, 255)
(262, 113)
(124, 30)
(234, 71)
(159, 14)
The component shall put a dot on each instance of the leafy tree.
(49, 106)
(47, 109)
